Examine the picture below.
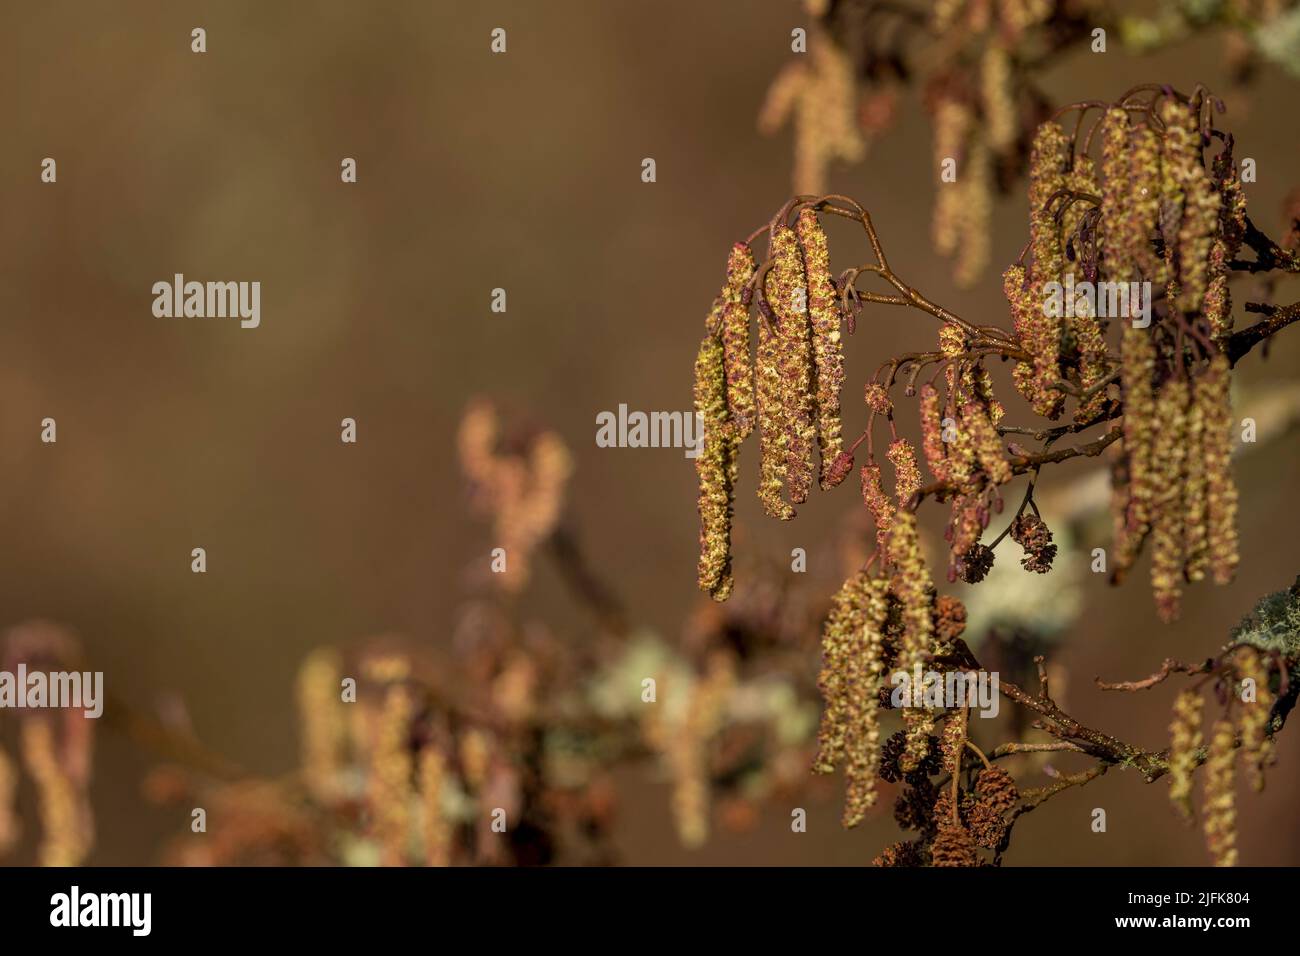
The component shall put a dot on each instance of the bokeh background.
(476, 171)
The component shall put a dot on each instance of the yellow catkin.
(390, 785)
(1084, 324)
(913, 587)
(320, 715)
(1138, 359)
(1189, 195)
(734, 322)
(1195, 487)
(687, 749)
(715, 468)
(1220, 795)
(975, 184)
(998, 98)
(1121, 232)
(1254, 715)
(787, 294)
(987, 446)
(932, 443)
(1048, 160)
(1168, 471)
(771, 423)
(878, 503)
(824, 307)
(1221, 488)
(852, 673)
(907, 476)
(1144, 203)
(66, 830)
(435, 828)
(952, 122)
(1185, 741)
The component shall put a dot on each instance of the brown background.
(475, 171)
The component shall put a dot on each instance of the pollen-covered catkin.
(952, 122)
(1188, 193)
(1196, 521)
(1220, 797)
(1168, 518)
(878, 503)
(985, 442)
(932, 443)
(998, 97)
(435, 828)
(913, 587)
(1122, 232)
(1048, 160)
(1184, 742)
(907, 476)
(1220, 487)
(1144, 203)
(824, 307)
(787, 294)
(716, 469)
(853, 666)
(735, 340)
(771, 422)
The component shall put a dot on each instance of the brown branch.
(1240, 343)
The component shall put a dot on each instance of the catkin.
(1220, 795)
(735, 339)
(985, 443)
(1084, 323)
(1221, 488)
(952, 122)
(824, 307)
(1168, 461)
(852, 674)
(1137, 365)
(1047, 165)
(1255, 715)
(878, 503)
(1188, 193)
(1122, 233)
(907, 476)
(324, 730)
(1196, 522)
(913, 587)
(998, 97)
(716, 469)
(1184, 743)
(1144, 203)
(771, 422)
(435, 828)
(787, 294)
(390, 783)
(932, 443)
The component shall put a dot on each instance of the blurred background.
(476, 171)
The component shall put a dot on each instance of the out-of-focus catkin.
(1168, 474)
(1221, 489)
(1220, 797)
(1255, 714)
(1184, 743)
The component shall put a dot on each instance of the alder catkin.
(1220, 487)
(716, 469)
(1168, 464)
(1254, 717)
(771, 422)
(735, 339)
(1220, 796)
(1184, 742)
(1049, 157)
(1137, 366)
(913, 587)
(824, 307)
(787, 294)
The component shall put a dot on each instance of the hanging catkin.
(824, 307)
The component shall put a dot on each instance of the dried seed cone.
(824, 307)
(1255, 716)
(735, 340)
(953, 844)
(716, 469)
(771, 423)
(1168, 518)
(1220, 796)
(787, 293)
(1184, 742)
(1221, 489)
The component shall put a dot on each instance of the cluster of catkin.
(1245, 728)
(520, 483)
(790, 387)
